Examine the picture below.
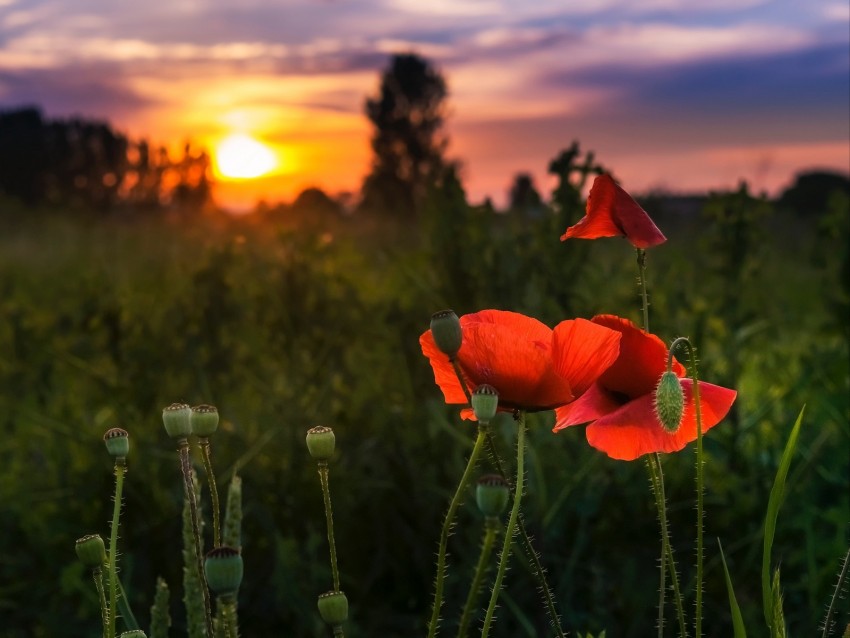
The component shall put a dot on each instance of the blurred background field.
(300, 317)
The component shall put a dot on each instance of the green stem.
(338, 633)
(227, 610)
(447, 524)
(206, 455)
(662, 520)
(512, 521)
(120, 470)
(491, 529)
(462, 379)
(329, 517)
(641, 261)
(189, 488)
(836, 594)
(97, 574)
(657, 476)
(530, 552)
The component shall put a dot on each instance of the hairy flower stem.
(692, 361)
(97, 574)
(530, 552)
(338, 633)
(641, 261)
(227, 611)
(657, 478)
(512, 521)
(206, 455)
(120, 471)
(491, 529)
(189, 488)
(836, 595)
(329, 517)
(447, 525)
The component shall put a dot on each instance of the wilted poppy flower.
(531, 366)
(619, 406)
(611, 212)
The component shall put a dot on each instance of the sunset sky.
(675, 94)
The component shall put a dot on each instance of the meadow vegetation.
(286, 321)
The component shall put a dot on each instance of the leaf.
(777, 493)
(734, 609)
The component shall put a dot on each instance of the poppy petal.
(642, 360)
(612, 212)
(634, 430)
(444, 373)
(595, 403)
(583, 350)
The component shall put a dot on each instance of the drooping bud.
(669, 402)
(333, 607)
(91, 551)
(445, 328)
(485, 401)
(321, 442)
(133, 633)
(223, 569)
(177, 419)
(204, 419)
(117, 442)
(491, 495)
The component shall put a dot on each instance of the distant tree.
(572, 172)
(314, 204)
(811, 192)
(524, 197)
(408, 143)
(23, 154)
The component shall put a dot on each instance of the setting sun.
(242, 157)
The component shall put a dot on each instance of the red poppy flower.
(619, 406)
(611, 212)
(532, 367)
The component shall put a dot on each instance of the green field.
(286, 324)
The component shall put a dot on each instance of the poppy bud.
(117, 442)
(485, 400)
(321, 442)
(133, 633)
(445, 328)
(223, 569)
(204, 420)
(669, 402)
(91, 550)
(491, 494)
(333, 607)
(177, 419)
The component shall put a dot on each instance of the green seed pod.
(321, 442)
(91, 551)
(485, 401)
(117, 442)
(491, 494)
(133, 633)
(223, 569)
(445, 328)
(204, 419)
(669, 402)
(333, 607)
(177, 419)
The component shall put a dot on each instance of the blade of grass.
(737, 620)
(777, 493)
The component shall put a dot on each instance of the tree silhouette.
(524, 198)
(408, 144)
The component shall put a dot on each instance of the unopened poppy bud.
(133, 633)
(321, 442)
(223, 569)
(491, 494)
(669, 402)
(333, 607)
(485, 401)
(117, 442)
(445, 328)
(177, 419)
(204, 419)
(91, 550)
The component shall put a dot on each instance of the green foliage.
(160, 618)
(193, 598)
(734, 609)
(284, 330)
(232, 531)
